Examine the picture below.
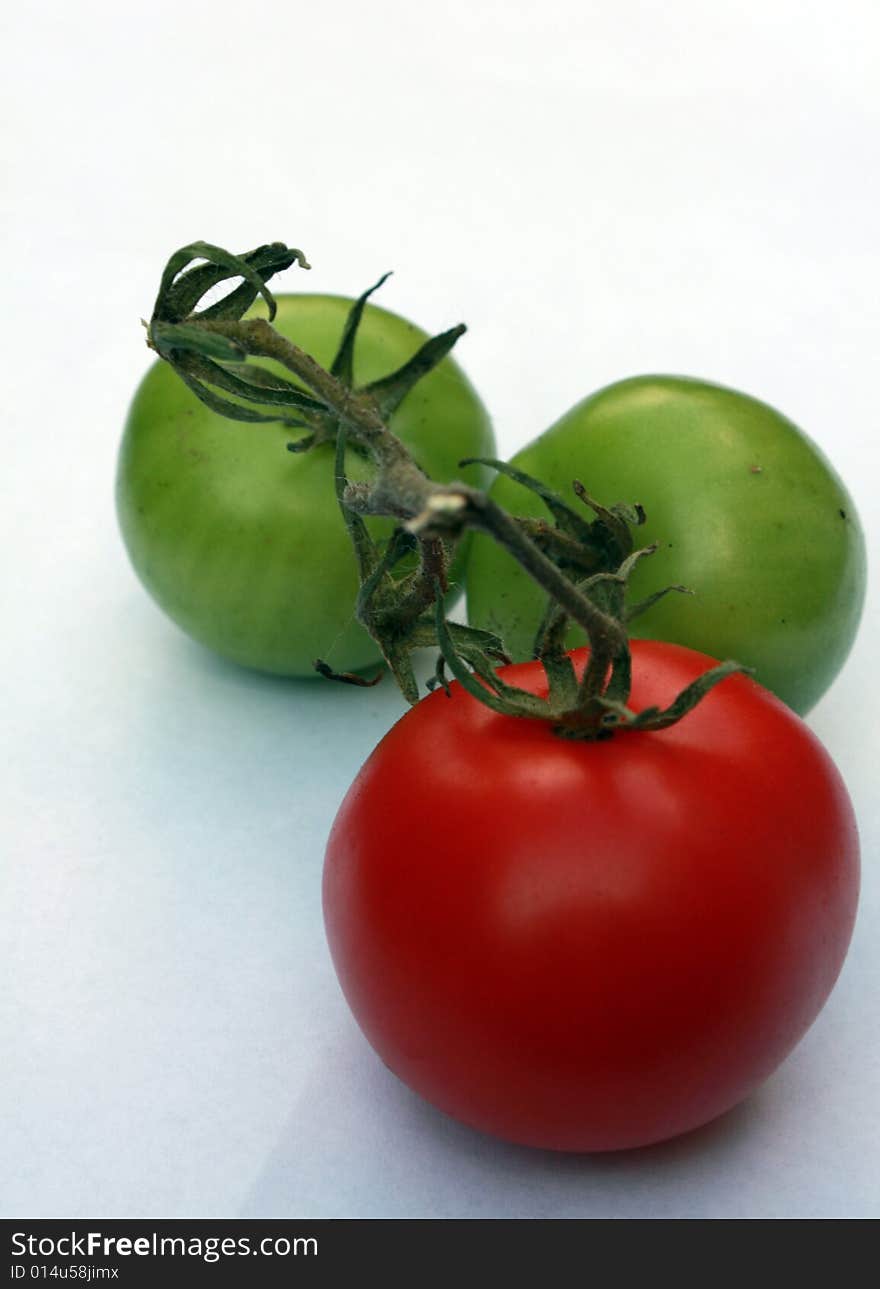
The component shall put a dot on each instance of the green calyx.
(205, 351)
(599, 556)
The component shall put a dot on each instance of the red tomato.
(592, 946)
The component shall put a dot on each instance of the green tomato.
(748, 515)
(240, 541)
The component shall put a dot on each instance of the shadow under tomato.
(358, 1143)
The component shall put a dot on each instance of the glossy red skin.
(592, 946)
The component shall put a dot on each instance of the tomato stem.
(582, 565)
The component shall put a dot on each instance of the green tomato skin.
(748, 515)
(240, 541)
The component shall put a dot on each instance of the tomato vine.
(583, 565)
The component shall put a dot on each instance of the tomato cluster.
(576, 943)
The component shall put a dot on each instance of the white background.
(598, 189)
